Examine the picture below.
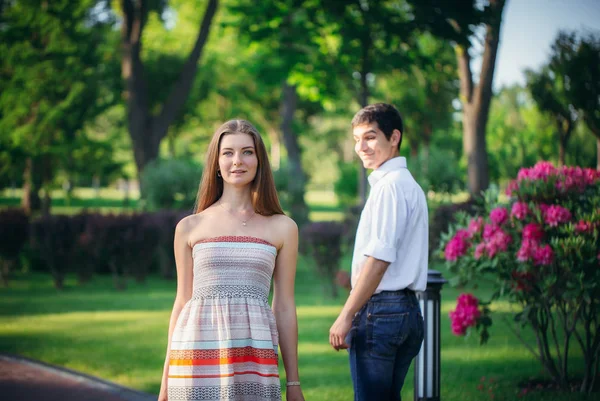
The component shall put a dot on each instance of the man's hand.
(339, 331)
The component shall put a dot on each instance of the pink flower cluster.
(567, 178)
(584, 227)
(531, 249)
(494, 240)
(555, 214)
(527, 250)
(519, 210)
(475, 226)
(458, 245)
(533, 232)
(543, 255)
(465, 315)
(576, 178)
(541, 171)
(498, 216)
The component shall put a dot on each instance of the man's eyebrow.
(371, 131)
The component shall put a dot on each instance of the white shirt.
(394, 227)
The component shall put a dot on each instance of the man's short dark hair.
(385, 115)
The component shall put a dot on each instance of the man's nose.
(362, 145)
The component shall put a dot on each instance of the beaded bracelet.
(288, 384)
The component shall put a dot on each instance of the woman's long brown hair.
(262, 191)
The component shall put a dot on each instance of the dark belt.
(404, 291)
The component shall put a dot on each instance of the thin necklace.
(237, 218)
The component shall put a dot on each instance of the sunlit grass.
(326, 216)
(79, 192)
(321, 197)
(322, 204)
(121, 336)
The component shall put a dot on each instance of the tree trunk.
(475, 148)
(147, 131)
(46, 202)
(297, 178)
(364, 101)
(476, 101)
(46, 174)
(565, 129)
(30, 200)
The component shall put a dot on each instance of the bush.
(170, 184)
(143, 236)
(82, 258)
(111, 235)
(167, 221)
(14, 233)
(350, 225)
(281, 177)
(53, 238)
(437, 170)
(444, 216)
(122, 245)
(543, 252)
(346, 186)
(324, 240)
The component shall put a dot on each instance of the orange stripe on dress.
(223, 361)
(223, 375)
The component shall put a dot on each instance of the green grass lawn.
(121, 336)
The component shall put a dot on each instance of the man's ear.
(395, 138)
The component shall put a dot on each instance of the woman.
(223, 336)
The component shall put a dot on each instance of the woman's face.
(237, 159)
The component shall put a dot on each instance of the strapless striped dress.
(224, 345)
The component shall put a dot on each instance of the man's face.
(372, 146)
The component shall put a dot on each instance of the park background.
(107, 107)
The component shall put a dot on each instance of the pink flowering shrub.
(542, 252)
(466, 314)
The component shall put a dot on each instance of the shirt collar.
(392, 164)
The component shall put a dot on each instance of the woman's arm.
(284, 304)
(184, 263)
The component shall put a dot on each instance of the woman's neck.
(237, 199)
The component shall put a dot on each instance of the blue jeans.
(385, 337)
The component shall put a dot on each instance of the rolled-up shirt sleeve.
(388, 224)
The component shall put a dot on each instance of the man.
(381, 322)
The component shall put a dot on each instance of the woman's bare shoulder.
(188, 223)
(283, 225)
(188, 226)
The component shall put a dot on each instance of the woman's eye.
(248, 152)
(226, 153)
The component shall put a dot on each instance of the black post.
(427, 363)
